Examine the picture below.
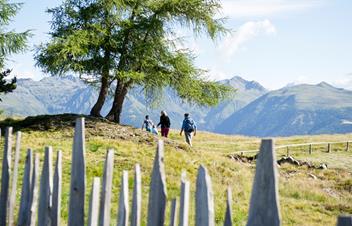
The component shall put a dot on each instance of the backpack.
(189, 125)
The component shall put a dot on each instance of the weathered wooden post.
(344, 221)
(122, 216)
(137, 198)
(184, 200)
(228, 214)
(12, 201)
(287, 151)
(264, 205)
(23, 214)
(56, 210)
(204, 199)
(105, 201)
(329, 147)
(34, 192)
(78, 176)
(310, 149)
(157, 194)
(5, 177)
(93, 216)
(173, 212)
(347, 146)
(46, 190)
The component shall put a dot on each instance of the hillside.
(54, 95)
(300, 109)
(304, 199)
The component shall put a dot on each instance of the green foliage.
(128, 41)
(5, 86)
(10, 41)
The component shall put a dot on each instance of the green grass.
(303, 200)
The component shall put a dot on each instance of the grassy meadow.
(304, 200)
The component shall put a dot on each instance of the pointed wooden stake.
(122, 218)
(12, 201)
(264, 206)
(157, 194)
(78, 176)
(23, 214)
(56, 211)
(184, 200)
(5, 177)
(173, 216)
(105, 202)
(137, 198)
(228, 215)
(46, 190)
(93, 216)
(204, 199)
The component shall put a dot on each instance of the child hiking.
(147, 124)
(189, 127)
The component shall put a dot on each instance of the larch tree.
(10, 43)
(127, 43)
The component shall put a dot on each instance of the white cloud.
(248, 31)
(250, 8)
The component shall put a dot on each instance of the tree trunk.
(102, 97)
(116, 109)
(104, 88)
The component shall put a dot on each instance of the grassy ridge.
(303, 200)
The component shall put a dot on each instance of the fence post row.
(263, 210)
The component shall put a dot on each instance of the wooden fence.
(309, 147)
(40, 200)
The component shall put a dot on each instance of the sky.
(274, 42)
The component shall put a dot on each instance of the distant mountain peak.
(325, 84)
(240, 83)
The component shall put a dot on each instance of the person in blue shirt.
(189, 127)
(147, 124)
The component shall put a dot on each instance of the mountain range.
(55, 95)
(253, 110)
(299, 109)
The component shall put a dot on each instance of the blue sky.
(274, 42)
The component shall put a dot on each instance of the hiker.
(189, 127)
(164, 123)
(148, 124)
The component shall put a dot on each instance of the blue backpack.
(189, 125)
